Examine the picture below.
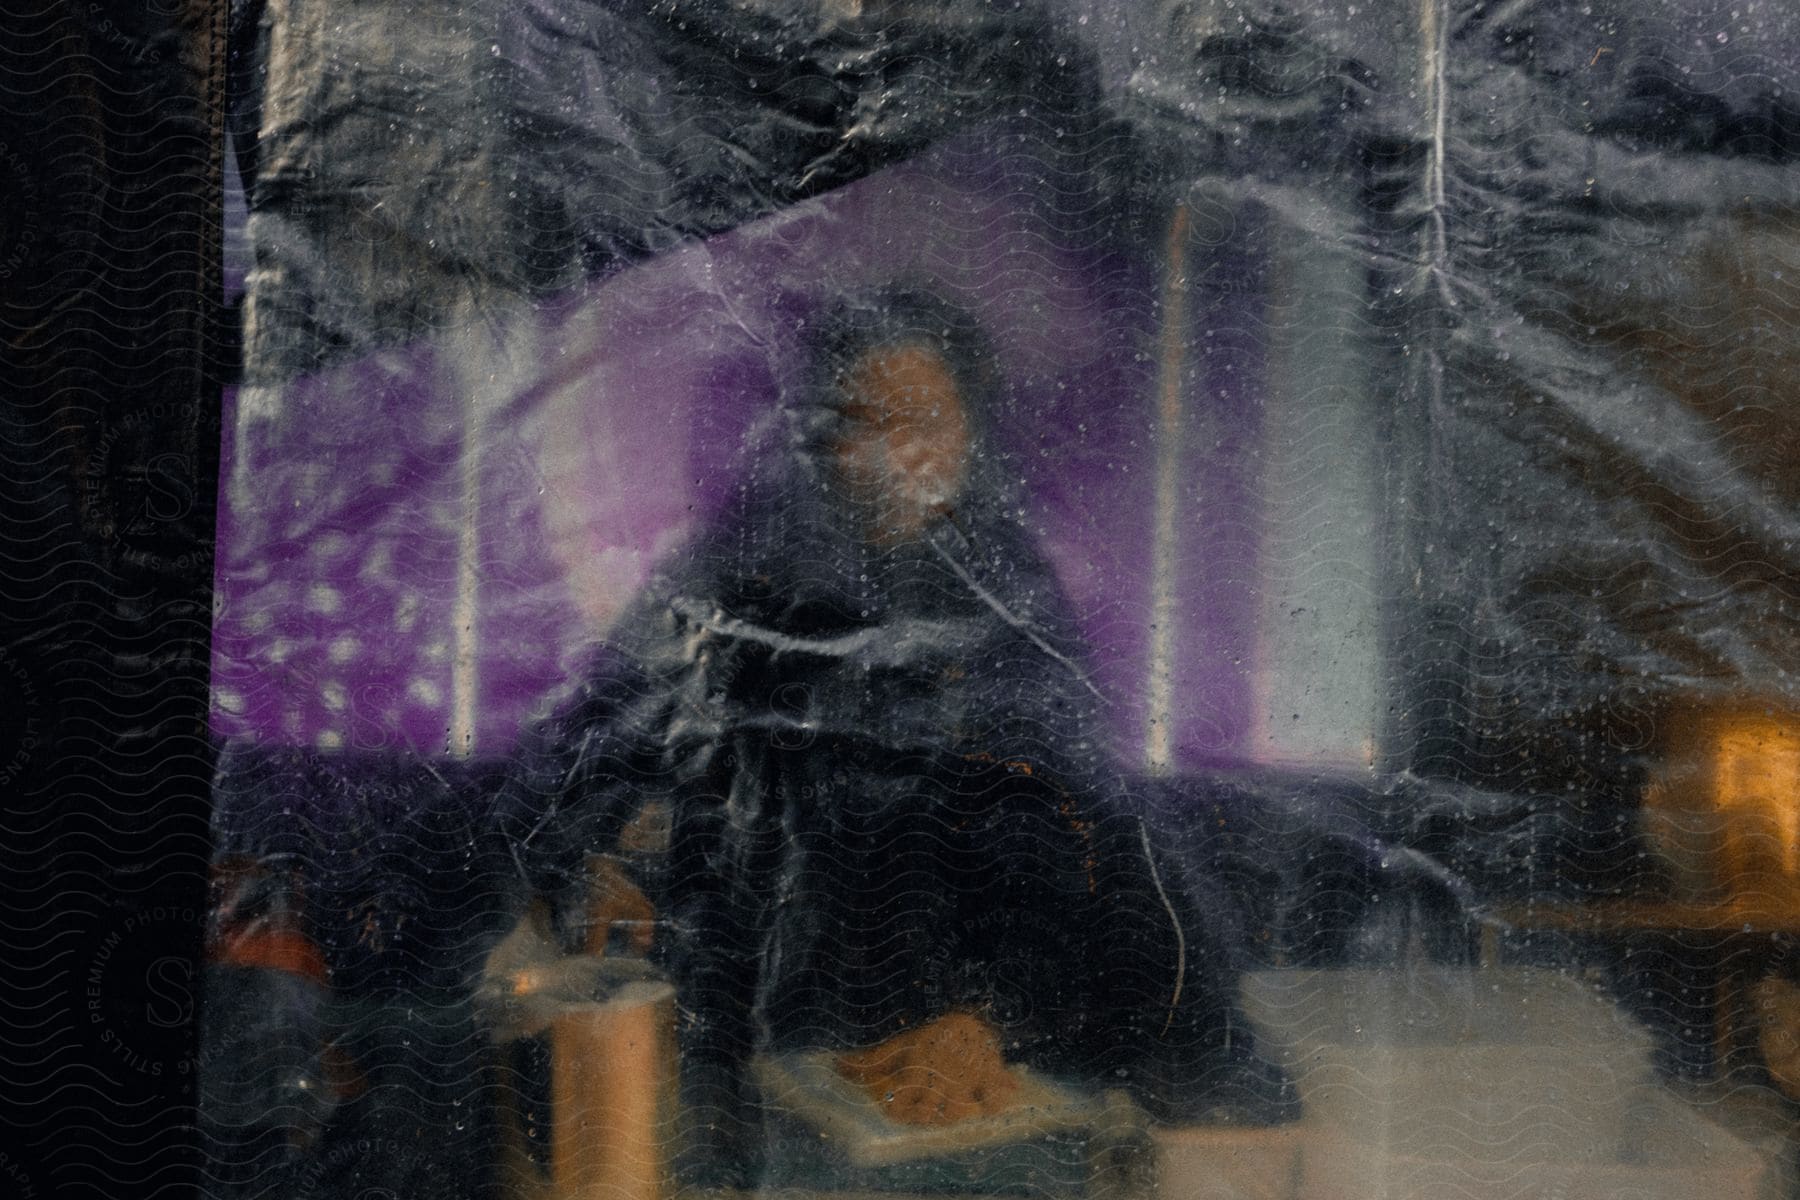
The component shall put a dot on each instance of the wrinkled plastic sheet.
(1381, 434)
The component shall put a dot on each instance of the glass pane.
(864, 598)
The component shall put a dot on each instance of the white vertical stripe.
(491, 357)
(1160, 692)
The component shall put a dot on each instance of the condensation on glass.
(859, 598)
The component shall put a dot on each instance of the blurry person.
(861, 697)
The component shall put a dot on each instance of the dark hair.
(902, 314)
(789, 486)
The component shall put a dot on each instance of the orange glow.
(1758, 765)
(1756, 783)
(1722, 803)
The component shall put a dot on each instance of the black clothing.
(889, 799)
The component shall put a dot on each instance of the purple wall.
(604, 425)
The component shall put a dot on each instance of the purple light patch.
(416, 548)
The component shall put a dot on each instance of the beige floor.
(1307, 1161)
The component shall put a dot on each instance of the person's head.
(904, 375)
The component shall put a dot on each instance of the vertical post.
(465, 610)
(491, 355)
(1172, 360)
(1317, 676)
(1430, 637)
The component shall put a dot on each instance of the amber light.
(1722, 801)
(1756, 787)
